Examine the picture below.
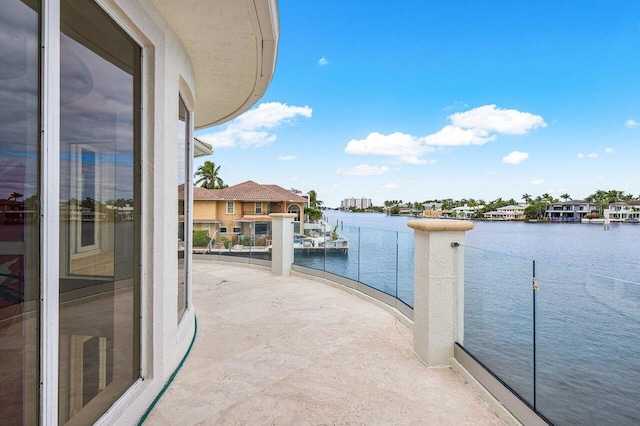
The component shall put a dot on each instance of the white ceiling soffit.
(233, 45)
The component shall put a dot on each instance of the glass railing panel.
(308, 250)
(338, 260)
(587, 347)
(405, 268)
(377, 259)
(498, 316)
(240, 245)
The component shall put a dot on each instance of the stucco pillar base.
(437, 282)
(282, 243)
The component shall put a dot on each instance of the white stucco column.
(281, 242)
(438, 287)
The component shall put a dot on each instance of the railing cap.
(439, 225)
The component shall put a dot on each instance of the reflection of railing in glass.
(563, 339)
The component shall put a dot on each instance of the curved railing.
(564, 343)
(251, 249)
(377, 262)
(564, 340)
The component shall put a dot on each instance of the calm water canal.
(587, 327)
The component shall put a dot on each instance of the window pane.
(99, 212)
(19, 200)
(183, 132)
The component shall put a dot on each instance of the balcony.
(552, 344)
(292, 350)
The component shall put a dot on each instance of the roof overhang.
(233, 47)
(200, 148)
(254, 218)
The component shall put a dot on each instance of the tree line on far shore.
(537, 206)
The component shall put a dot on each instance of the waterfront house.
(243, 209)
(511, 212)
(573, 210)
(623, 211)
(465, 211)
(99, 104)
(433, 210)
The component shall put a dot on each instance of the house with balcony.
(569, 211)
(511, 212)
(243, 209)
(623, 211)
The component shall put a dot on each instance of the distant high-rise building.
(358, 203)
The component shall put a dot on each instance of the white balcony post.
(437, 313)
(281, 243)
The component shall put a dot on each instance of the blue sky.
(418, 100)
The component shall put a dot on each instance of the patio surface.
(294, 351)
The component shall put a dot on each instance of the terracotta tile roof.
(252, 191)
(204, 194)
(287, 193)
(199, 193)
(245, 191)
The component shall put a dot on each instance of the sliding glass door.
(99, 206)
(96, 335)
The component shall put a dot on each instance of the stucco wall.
(205, 210)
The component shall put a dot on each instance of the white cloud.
(537, 182)
(455, 136)
(251, 128)
(609, 151)
(490, 118)
(515, 157)
(363, 170)
(407, 147)
(455, 105)
(323, 61)
(389, 187)
(474, 127)
(631, 123)
(593, 155)
(286, 157)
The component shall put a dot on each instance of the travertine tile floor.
(293, 351)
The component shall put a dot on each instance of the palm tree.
(314, 203)
(209, 177)
(599, 198)
(526, 197)
(566, 196)
(16, 195)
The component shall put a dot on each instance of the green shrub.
(200, 238)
